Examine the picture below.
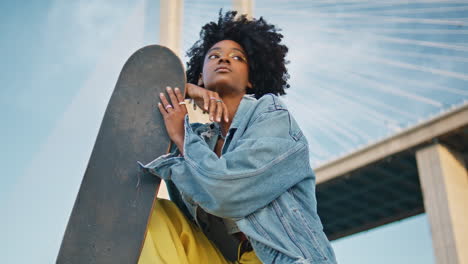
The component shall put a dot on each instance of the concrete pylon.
(244, 7)
(444, 182)
(170, 35)
(170, 24)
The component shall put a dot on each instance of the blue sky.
(358, 74)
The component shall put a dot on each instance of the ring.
(168, 106)
(219, 101)
(213, 98)
(181, 103)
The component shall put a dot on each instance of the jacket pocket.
(286, 223)
(318, 242)
(258, 227)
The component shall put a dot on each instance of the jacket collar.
(247, 102)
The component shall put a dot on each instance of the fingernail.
(177, 88)
(168, 88)
(159, 103)
(219, 119)
(161, 94)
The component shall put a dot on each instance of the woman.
(248, 170)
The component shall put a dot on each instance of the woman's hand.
(209, 101)
(173, 114)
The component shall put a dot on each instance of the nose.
(224, 59)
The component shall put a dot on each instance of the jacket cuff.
(193, 141)
(161, 165)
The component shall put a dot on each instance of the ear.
(200, 80)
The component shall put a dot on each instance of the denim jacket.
(263, 181)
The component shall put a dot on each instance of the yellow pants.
(172, 239)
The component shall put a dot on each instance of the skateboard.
(111, 212)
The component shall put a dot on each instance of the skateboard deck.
(111, 212)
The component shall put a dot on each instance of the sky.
(360, 71)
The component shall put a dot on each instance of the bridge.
(422, 169)
(418, 169)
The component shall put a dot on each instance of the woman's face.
(226, 69)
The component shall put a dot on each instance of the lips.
(222, 69)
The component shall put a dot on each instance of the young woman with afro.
(242, 189)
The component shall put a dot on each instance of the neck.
(232, 103)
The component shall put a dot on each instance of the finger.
(212, 108)
(187, 89)
(180, 99)
(206, 101)
(178, 94)
(174, 101)
(165, 103)
(226, 113)
(219, 111)
(162, 110)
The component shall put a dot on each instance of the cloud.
(337, 48)
(42, 199)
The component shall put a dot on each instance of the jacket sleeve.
(265, 162)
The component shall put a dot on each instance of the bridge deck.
(380, 184)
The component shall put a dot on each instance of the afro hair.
(260, 40)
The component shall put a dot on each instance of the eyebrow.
(218, 48)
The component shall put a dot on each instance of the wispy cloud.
(50, 183)
(363, 64)
(86, 26)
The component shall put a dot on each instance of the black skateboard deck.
(110, 216)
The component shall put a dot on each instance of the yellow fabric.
(172, 239)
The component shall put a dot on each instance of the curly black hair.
(261, 41)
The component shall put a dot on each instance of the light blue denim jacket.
(263, 181)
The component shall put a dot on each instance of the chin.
(220, 83)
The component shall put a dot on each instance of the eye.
(238, 58)
(213, 56)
